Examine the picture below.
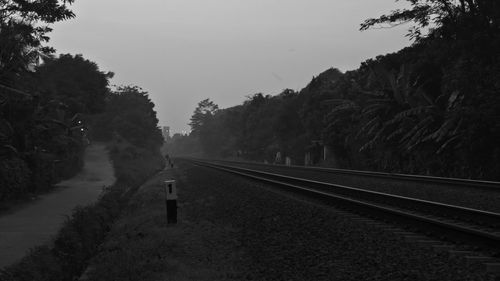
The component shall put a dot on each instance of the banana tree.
(396, 117)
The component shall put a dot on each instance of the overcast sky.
(183, 51)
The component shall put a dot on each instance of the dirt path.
(36, 223)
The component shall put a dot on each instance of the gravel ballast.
(287, 239)
(232, 228)
(471, 197)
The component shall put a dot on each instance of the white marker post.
(171, 200)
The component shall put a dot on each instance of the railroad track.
(478, 229)
(485, 185)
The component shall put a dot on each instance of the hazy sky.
(183, 51)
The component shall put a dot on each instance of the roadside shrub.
(70, 164)
(79, 238)
(37, 171)
(134, 165)
(43, 167)
(14, 178)
(41, 265)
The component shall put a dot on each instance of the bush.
(41, 265)
(133, 165)
(43, 166)
(14, 178)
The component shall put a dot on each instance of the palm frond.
(6, 130)
(373, 122)
(337, 101)
(418, 127)
(370, 109)
(342, 108)
(443, 130)
(395, 133)
(416, 139)
(447, 143)
(415, 111)
(373, 140)
(10, 148)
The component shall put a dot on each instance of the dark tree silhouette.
(23, 31)
(75, 81)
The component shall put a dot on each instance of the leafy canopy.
(202, 114)
(23, 30)
(448, 18)
(74, 80)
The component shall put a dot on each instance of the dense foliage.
(43, 130)
(129, 114)
(432, 108)
(48, 104)
(23, 31)
(40, 137)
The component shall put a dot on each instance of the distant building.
(166, 132)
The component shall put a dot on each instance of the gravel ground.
(455, 195)
(231, 228)
(286, 239)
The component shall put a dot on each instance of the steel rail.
(487, 185)
(439, 227)
(452, 211)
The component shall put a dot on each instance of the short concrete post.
(171, 201)
(277, 158)
(307, 159)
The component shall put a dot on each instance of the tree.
(313, 110)
(457, 61)
(23, 31)
(75, 81)
(130, 113)
(445, 18)
(203, 113)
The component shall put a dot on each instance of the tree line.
(51, 106)
(432, 108)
